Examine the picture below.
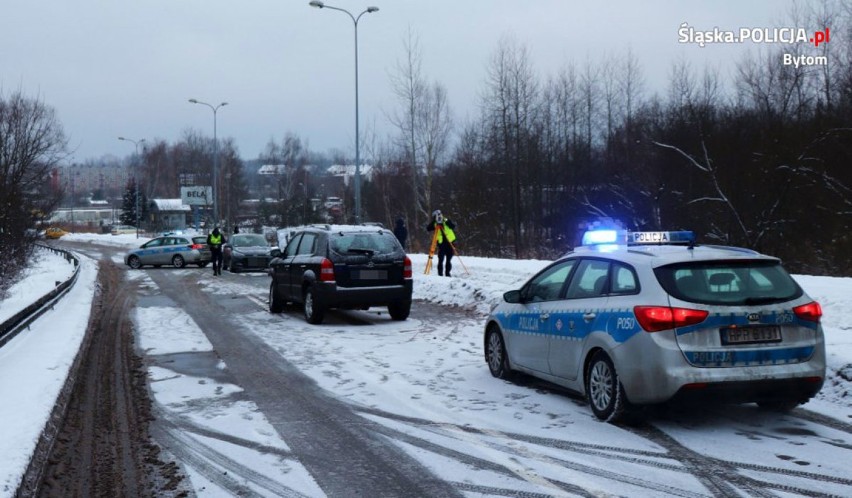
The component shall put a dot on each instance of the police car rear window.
(729, 282)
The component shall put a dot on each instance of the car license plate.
(373, 275)
(750, 335)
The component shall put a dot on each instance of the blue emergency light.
(604, 236)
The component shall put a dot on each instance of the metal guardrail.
(22, 320)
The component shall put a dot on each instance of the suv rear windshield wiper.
(763, 300)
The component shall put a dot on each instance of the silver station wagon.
(175, 250)
(646, 317)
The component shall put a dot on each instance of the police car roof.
(661, 255)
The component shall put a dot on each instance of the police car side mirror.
(512, 297)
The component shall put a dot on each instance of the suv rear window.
(729, 282)
(364, 242)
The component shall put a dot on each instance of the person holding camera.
(444, 239)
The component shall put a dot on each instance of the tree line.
(760, 160)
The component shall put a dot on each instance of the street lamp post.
(215, 159)
(368, 10)
(136, 178)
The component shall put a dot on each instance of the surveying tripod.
(434, 246)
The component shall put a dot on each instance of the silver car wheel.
(601, 385)
(135, 262)
(495, 352)
(496, 355)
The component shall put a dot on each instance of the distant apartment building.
(81, 180)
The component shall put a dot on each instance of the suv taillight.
(811, 312)
(406, 271)
(657, 318)
(326, 271)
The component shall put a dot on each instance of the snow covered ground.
(404, 376)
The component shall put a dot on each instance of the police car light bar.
(660, 238)
(600, 236)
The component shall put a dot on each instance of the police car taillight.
(406, 271)
(326, 271)
(811, 312)
(196, 246)
(657, 318)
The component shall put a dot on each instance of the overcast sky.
(128, 68)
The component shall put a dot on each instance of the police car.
(646, 317)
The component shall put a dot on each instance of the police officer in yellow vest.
(214, 242)
(446, 237)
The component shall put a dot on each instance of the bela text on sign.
(196, 196)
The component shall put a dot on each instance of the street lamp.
(136, 178)
(369, 10)
(215, 160)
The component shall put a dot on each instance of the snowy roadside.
(35, 364)
(46, 270)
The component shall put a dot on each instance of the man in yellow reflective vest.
(214, 242)
(445, 238)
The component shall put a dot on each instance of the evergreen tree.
(128, 205)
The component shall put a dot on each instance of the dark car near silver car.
(246, 252)
(341, 266)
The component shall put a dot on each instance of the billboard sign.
(196, 196)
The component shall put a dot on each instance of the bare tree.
(409, 87)
(32, 143)
(290, 157)
(511, 111)
(705, 165)
(424, 122)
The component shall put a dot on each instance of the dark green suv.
(341, 266)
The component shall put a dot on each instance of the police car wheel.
(604, 389)
(178, 261)
(135, 262)
(314, 311)
(495, 354)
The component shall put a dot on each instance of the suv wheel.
(604, 389)
(779, 405)
(178, 261)
(314, 311)
(276, 305)
(399, 310)
(495, 354)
